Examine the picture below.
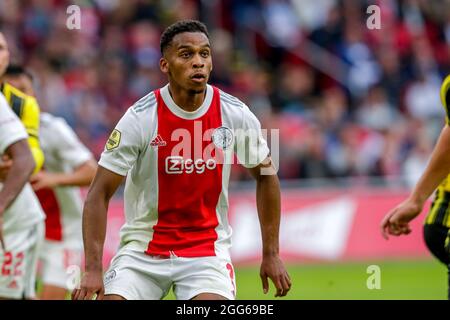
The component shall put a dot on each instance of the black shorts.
(437, 240)
(435, 236)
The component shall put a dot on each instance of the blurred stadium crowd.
(348, 101)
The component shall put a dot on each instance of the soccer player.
(21, 217)
(68, 166)
(24, 106)
(436, 175)
(175, 146)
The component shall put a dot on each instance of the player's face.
(21, 82)
(187, 61)
(4, 54)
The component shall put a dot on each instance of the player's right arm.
(396, 222)
(13, 145)
(18, 175)
(95, 211)
(121, 152)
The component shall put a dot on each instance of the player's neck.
(186, 100)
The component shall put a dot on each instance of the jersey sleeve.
(445, 98)
(250, 146)
(123, 145)
(11, 129)
(68, 146)
(30, 119)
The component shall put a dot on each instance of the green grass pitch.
(404, 280)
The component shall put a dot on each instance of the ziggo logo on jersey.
(222, 144)
(207, 157)
(179, 165)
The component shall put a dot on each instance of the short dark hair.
(17, 70)
(180, 27)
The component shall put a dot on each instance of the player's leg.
(207, 278)
(57, 259)
(18, 264)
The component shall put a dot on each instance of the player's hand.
(5, 165)
(396, 222)
(43, 180)
(91, 285)
(272, 267)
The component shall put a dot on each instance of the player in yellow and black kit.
(25, 107)
(437, 223)
(436, 175)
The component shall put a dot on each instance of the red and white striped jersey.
(178, 165)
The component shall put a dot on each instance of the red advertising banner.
(315, 226)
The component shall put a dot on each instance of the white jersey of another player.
(63, 244)
(63, 205)
(23, 227)
(25, 211)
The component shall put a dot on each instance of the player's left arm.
(31, 120)
(269, 212)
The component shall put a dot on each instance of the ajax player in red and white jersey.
(175, 147)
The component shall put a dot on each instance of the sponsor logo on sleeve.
(113, 140)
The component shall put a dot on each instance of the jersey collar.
(167, 98)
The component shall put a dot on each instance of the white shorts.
(57, 260)
(18, 265)
(135, 275)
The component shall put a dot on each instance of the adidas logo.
(158, 142)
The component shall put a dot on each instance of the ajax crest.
(222, 137)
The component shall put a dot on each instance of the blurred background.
(358, 112)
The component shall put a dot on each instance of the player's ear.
(164, 65)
